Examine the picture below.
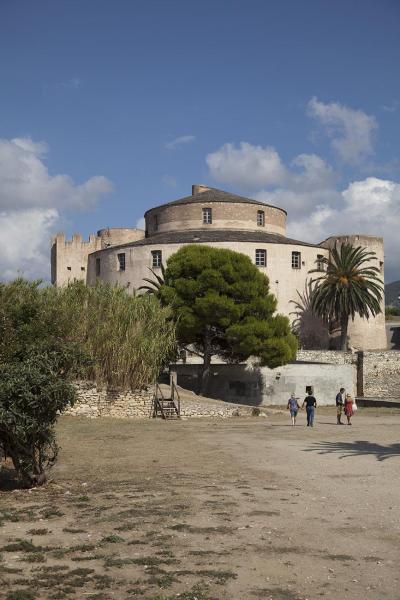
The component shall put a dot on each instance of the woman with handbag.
(348, 408)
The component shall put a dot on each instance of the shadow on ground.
(356, 448)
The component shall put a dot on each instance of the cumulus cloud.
(370, 206)
(246, 165)
(26, 183)
(351, 131)
(31, 204)
(179, 141)
(310, 190)
(24, 242)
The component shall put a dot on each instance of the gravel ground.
(203, 509)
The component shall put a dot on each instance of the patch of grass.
(164, 580)
(111, 539)
(21, 595)
(342, 557)
(203, 530)
(39, 531)
(73, 530)
(277, 593)
(10, 570)
(48, 513)
(61, 552)
(21, 546)
(198, 592)
(220, 576)
(102, 581)
(34, 557)
(83, 499)
(126, 527)
(117, 562)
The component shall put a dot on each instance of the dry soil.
(241, 508)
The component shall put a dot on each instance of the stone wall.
(96, 402)
(382, 374)
(99, 402)
(377, 372)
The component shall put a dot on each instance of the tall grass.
(128, 339)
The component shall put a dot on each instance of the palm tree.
(154, 285)
(348, 285)
(310, 328)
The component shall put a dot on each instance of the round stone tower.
(365, 334)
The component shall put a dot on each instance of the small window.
(320, 264)
(261, 258)
(97, 267)
(296, 260)
(381, 266)
(121, 261)
(156, 257)
(155, 222)
(83, 269)
(261, 218)
(68, 268)
(207, 216)
(309, 389)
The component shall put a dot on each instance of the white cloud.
(25, 242)
(179, 141)
(26, 183)
(370, 206)
(351, 131)
(31, 204)
(246, 165)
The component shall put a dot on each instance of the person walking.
(294, 408)
(348, 408)
(340, 398)
(311, 405)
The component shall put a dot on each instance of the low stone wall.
(96, 402)
(382, 374)
(330, 357)
(99, 402)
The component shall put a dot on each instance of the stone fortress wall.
(234, 226)
(69, 259)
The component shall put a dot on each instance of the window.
(296, 260)
(155, 222)
(261, 218)
(121, 261)
(68, 268)
(381, 266)
(320, 264)
(207, 216)
(261, 258)
(97, 267)
(156, 257)
(83, 269)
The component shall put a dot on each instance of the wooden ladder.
(167, 407)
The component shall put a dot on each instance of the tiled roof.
(214, 195)
(198, 236)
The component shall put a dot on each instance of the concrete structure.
(257, 386)
(219, 219)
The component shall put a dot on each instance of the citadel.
(220, 219)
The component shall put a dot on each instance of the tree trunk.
(205, 368)
(344, 324)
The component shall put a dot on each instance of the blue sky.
(109, 108)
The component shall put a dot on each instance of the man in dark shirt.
(339, 405)
(311, 405)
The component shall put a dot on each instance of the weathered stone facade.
(124, 256)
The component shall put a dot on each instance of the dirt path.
(230, 509)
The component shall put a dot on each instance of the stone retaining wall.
(96, 402)
(382, 374)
